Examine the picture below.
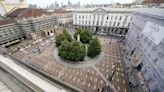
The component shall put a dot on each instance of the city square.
(88, 78)
(81, 46)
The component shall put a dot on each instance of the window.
(118, 24)
(94, 17)
(111, 17)
(116, 18)
(89, 16)
(114, 24)
(83, 17)
(101, 23)
(155, 60)
(79, 17)
(75, 16)
(120, 17)
(128, 24)
(110, 24)
(107, 18)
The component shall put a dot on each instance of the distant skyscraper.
(61, 4)
(78, 4)
(138, 1)
(69, 3)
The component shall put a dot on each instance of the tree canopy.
(63, 36)
(85, 35)
(73, 51)
(94, 48)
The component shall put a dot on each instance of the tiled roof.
(153, 1)
(6, 21)
(60, 11)
(33, 13)
(26, 12)
(16, 12)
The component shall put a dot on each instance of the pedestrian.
(98, 89)
(135, 86)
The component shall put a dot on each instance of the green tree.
(78, 31)
(63, 49)
(79, 51)
(94, 48)
(63, 36)
(85, 35)
(68, 36)
(73, 51)
(59, 38)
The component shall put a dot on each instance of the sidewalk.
(131, 72)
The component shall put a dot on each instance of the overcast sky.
(43, 3)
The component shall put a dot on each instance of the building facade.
(145, 45)
(110, 21)
(64, 17)
(37, 25)
(28, 23)
(9, 32)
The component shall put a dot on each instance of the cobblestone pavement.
(94, 78)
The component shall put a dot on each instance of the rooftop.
(158, 12)
(16, 12)
(61, 11)
(32, 13)
(104, 9)
(153, 1)
(27, 12)
(6, 21)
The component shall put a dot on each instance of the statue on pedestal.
(78, 38)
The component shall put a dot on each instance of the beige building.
(64, 17)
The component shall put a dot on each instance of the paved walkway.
(81, 64)
(107, 82)
(85, 77)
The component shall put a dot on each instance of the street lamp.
(110, 78)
